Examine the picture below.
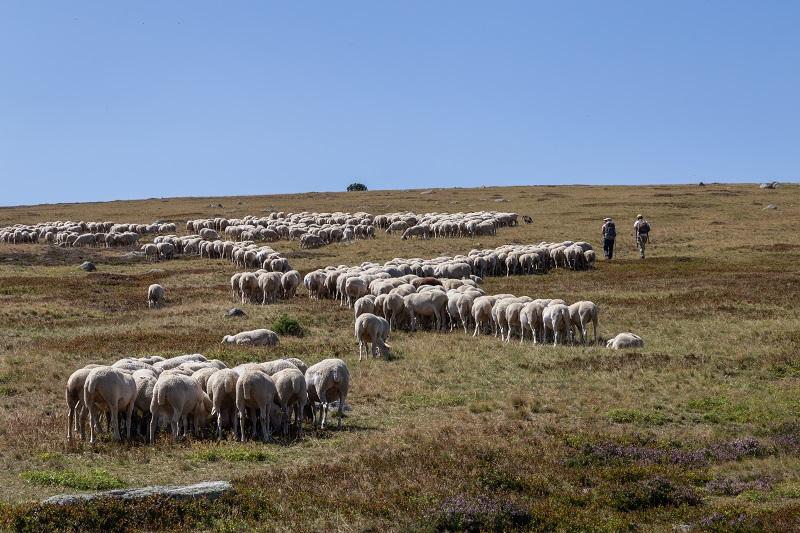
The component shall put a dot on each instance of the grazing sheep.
(289, 283)
(202, 375)
(74, 396)
(273, 367)
(255, 393)
(581, 314)
(372, 329)
(155, 295)
(175, 362)
(365, 304)
(178, 396)
(556, 319)
(221, 389)
(291, 392)
(428, 304)
(248, 286)
(298, 363)
(109, 390)
(327, 381)
(256, 337)
(625, 340)
(145, 384)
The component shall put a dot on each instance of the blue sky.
(116, 100)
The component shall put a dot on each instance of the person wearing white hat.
(609, 232)
(641, 232)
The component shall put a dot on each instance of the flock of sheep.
(442, 293)
(78, 234)
(190, 391)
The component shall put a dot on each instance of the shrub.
(464, 513)
(654, 492)
(356, 187)
(285, 325)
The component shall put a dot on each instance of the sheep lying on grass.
(256, 337)
(625, 340)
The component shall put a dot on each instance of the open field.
(700, 428)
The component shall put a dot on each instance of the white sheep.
(625, 340)
(556, 319)
(581, 314)
(255, 392)
(155, 295)
(74, 396)
(289, 283)
(291, 392)
(178, 396)
(221, 389)
(327, 381)
(372, 329)
(109, 390)
(365, 304)
(256, 337)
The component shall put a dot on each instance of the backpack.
(611, 230)
(644, 227)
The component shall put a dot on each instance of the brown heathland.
(698, 428)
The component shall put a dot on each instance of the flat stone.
(771, 206)
(208, 489)
(88, 266)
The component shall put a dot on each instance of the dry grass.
(449, 417)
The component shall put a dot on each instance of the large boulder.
(208, 489)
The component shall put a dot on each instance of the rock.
(771, 206)
(498, 200)
(208, 489)
(88, 266)
(235, 312)
(429, 191)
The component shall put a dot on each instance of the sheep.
(625, 340)
(429, 303)
(581, 313)
(248, 286)
(74, 397)
(291, 392)
(365, 304)
(270, 285)
(298, 363)
(556, 318)
(221, 389)
(111, 390)
(327, 381)
(273, 367)
(155, 295)
(372, 329)
(202, 375)
(178, 396)
(145, 381)
(255, 390)
(235, 290)
(482, 311)
(289, 282)
(355, 288)
(174, 362)
(393, 309)
(256, 337)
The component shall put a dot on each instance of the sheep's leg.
(252, 413)
(92, 423)
(341, 408)
(129, 419)
(219, 426)
(521, 334)
(242, 433)
(70, 421)
(153, 426)
(174, 424)
(265, 422)
(286, 421)
(477, 324)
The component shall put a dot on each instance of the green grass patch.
(286, 325)
(241, 455)
(416, 400)
(636, 416)
(95, 479)
(716, 409)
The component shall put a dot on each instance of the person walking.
(641, 232)
(609, 232)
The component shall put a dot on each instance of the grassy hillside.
(698, 428)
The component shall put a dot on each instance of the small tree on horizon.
(356, 187)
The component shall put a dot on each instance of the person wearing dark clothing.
(609, 232)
